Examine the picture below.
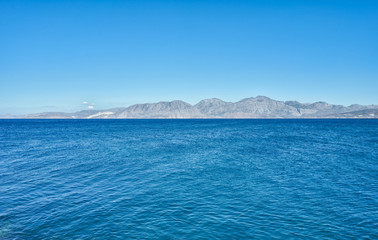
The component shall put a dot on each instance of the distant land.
(254, 107)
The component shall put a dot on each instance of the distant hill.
(254, 107)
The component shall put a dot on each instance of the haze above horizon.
(74, 55)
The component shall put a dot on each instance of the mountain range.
(254, 107)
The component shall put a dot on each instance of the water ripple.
(188, 179)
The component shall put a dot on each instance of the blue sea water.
(188, 179)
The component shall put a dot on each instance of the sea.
(189, 179)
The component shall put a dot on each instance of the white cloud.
(85, 103)
(90, 107)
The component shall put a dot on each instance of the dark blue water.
(188, 179)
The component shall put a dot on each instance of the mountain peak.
(210, 101)
(254, 107)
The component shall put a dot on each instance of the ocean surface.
(188, 179)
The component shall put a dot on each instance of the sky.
(74, 55)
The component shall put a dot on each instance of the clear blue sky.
(54, 55)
